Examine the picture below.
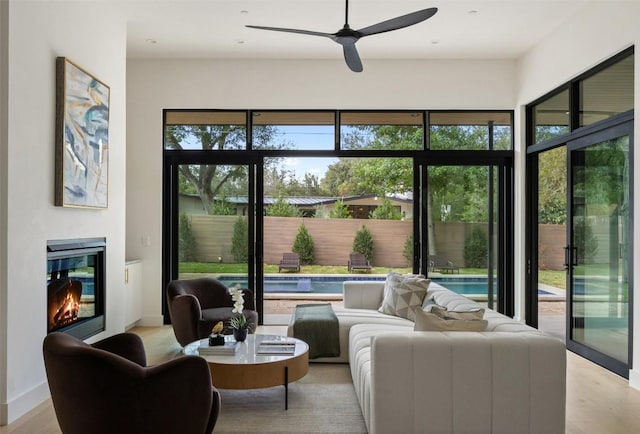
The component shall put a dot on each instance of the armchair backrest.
(209, 292)
(95, 390)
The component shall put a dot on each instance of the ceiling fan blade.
(303, 32)
(352, 57)
(398, 22)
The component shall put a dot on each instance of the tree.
(208, 180)
(363, 243)
(239, 247)
(385, 211)
(339, 179)
(303, 245)
(340, 211)
(383, 175)
(282, 208)
(552, 188)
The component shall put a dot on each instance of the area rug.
(324, 401)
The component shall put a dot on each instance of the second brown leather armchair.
(196, 305)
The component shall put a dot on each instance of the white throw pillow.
(441, 320)
(443, 312)
(404, 294)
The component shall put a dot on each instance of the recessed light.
(473, 12)
(239, 42)
(435, 42)
(150, 41)
(243, 12)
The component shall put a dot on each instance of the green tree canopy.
(209, 180)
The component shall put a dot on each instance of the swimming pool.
(333, 284)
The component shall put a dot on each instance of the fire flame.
(66, 310)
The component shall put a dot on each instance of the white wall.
(157, 84)
(94, 36)
(598, 32)
(4, 86)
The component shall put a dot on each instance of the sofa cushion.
(441, 320)
(349, 317)
(403, 294)
(452, 301)
(443, 311)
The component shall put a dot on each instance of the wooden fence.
(333, 239)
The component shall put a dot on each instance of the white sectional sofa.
(509, 378)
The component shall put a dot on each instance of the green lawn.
(217, 268)
(557, 279)
(548, 277)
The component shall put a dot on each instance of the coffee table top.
(247, 353)
(248, 370)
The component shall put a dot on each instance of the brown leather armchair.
(107, 388)
(196, 305)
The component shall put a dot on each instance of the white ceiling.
(462, 29)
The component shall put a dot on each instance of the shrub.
(222, 207)
(585, 240)
(239, 248)
(282, 208)
(303, 245)
(340, 211)
(363, 243)
(407, 251)
(386, 211)
(475, 249)
(186, 240)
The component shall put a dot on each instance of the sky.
(308, 137)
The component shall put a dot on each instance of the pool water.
(333, 285)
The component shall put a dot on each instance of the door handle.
(570, 257)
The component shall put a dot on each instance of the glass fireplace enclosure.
(76, 287)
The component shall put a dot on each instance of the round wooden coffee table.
(247, 369)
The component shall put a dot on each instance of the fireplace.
(76, 286)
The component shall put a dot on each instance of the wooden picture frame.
(82, 137)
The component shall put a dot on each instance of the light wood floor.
(597, 400)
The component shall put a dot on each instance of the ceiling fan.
(347, 37)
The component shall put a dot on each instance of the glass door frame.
(170, 216)
(616, 130)
(501, 266)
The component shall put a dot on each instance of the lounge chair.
(290, 261)
(443, 265)
(357, 261)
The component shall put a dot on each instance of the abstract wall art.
(82, 137)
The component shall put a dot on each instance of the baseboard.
(634, 379)
(151, 321)
(24, 403)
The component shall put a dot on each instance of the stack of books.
(278, 346)
(228, 349)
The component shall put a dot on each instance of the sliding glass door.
(598, 250)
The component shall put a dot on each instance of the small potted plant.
(238, 323)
